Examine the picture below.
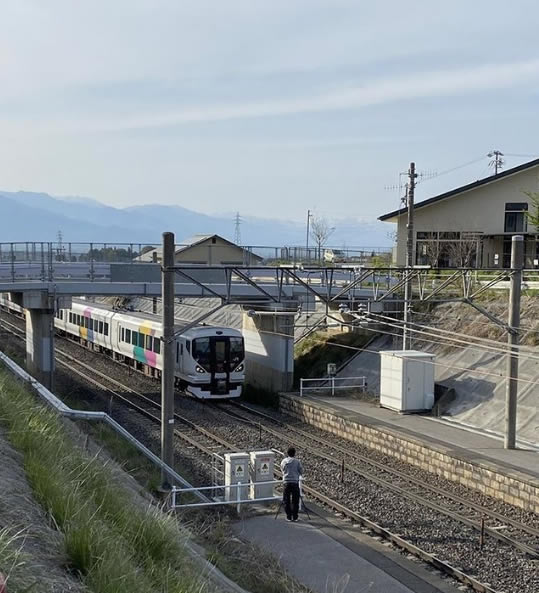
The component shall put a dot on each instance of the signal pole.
(517, 263)
(412, 175)
(167, 373)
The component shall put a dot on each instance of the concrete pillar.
(269, 349)
(40, 345)
(40, 307)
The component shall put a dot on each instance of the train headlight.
(199, 369)
(239, 369)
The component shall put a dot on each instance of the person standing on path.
(292, 470)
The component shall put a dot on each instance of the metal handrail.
(331, 381)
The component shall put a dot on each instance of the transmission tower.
(497, 161)
(237, 229)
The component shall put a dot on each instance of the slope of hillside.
(39, 217)
(478, 375)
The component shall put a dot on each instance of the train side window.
(79, 320)
(87, 322)
(106, 329)
(141, 340)
(70, 317)
(149, 343)
(122, 338)
(181, 349)
(100, 327)
(177, 352)
(188, 346)
(128, 336)
(134, 338)
(157, 345)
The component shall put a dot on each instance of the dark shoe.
(288, 519)
(295, 519)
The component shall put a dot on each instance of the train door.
(220, 364)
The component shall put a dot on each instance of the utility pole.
(167, 373)
(517, 263)
(412, 175)
(497, 163)
(308, 223)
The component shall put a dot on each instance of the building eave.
(393, 216)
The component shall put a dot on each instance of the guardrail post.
(301, 387)
(173, 499)
(42, 263)
(50, 262)
(332, 385)
(12, 258)
(91, 262)
(238, 497)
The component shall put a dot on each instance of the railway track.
(192, 434)
(502, 528)
(210, 444)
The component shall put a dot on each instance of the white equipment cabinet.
(262, 471)
(236, 470)
(406, 380)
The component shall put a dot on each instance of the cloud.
(438, 83)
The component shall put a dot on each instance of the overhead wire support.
(412, 175)
(168, 371)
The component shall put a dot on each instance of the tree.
(533, 214)
(462, 253)
(321, 231)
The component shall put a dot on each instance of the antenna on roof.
(497, 162)
(237, 229)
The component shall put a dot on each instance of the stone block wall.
(515, 488)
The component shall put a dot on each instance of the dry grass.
(103, 537)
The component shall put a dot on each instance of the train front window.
(237, 352)
(202, 352)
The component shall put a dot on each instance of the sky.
(266, 108)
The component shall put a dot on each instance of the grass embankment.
(111, 543)
(313, 354)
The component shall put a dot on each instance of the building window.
(515, 217)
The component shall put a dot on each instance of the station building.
(472, 225)
(210, 250)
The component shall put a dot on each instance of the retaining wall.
(513, 487)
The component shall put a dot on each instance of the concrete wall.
(478, 210)
(517, 488)
(269, 351)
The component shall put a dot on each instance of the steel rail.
(371, 525)
(144, 412)
(493, 532)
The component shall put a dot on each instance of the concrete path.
(325, 559)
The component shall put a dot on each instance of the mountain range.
(31, 216)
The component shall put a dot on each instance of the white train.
(210, 361)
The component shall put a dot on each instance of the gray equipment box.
(262, 463)
(236, 470)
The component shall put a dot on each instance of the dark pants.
(291, 499)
